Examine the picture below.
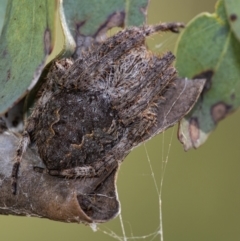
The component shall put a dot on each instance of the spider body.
(93, 111)
(77, 129)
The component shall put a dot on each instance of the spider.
(93, 111)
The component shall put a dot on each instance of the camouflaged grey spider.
(93, 111)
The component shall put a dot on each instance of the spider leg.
(163, 27)
(142, 116)
(148, 94)
(95, 170)
(149, 79)
(116, 46)
(25, 140)
(74, 172)
(101, 57)
(141, 87)
(126, 40)
(3, 125)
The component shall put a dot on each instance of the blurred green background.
(201, 188)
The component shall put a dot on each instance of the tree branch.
(45, 196)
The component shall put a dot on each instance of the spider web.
(157, 175)
(156, 234)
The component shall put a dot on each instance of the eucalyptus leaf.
(26, 41)
(89, 20)
(209, 49)
(89, 16)
(233, 13)
(3, 5)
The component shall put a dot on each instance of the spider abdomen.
(75, 128)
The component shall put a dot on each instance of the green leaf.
(135, 12)
(27, 39)
(209, 49)
(94, 18)
(69, 44)
(3, 5)
(233, 13)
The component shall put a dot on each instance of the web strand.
(157, 186)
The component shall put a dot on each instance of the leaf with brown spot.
(209, 49)
(89, 20)
(233, 15)
(26, 41)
